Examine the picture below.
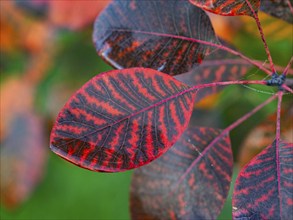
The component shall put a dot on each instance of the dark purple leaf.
(190, 181)
(264, 187)
(156, 34)
(227, 7)
(122, 119)
(278, 8)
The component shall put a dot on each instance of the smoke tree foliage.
(140, 112)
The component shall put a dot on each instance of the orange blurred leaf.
(208, 102)
(16, 96)
(75, 14)
(225, 27)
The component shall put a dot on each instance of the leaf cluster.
(126, 118)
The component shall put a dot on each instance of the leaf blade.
(257, 191)
(228, 8)
(155, 34)
(200, 195)
(218, 66)
(140, 105)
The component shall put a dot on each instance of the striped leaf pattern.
(227, 7)
(122, 119)
(264, 187)
(190, 181)
(218, 66)
(157, 34)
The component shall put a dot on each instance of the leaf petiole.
(256, 18)
(244, 82)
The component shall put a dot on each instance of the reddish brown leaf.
(190, 181)
(278, 8)
(218, 66)
(264, 187)
(156, 34)
(228, 7)
(23, 157)
(122, 119)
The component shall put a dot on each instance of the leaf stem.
(244, 82)
(286, 70)
(225, 132)
(278, 137)
(278, 126)
(255, 15)
(287, 88)
(278, 68)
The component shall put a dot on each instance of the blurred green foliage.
(69, 192)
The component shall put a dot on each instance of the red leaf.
(264, 187)
(228, 7)
(23, 158)
(122, 119)
(156, 34)
(218, 66)
(190, 181)
(279, 9)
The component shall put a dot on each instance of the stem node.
(276, 80)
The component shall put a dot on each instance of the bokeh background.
(47, 53)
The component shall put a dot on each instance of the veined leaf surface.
(190, 181)
(157, 34)
(227, 7)
(218, 66)
(122, 119)
(264, 187)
